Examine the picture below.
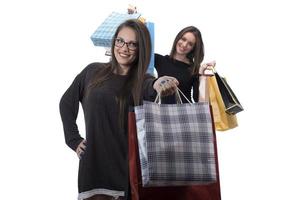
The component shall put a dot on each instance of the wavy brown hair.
(137, 71)
(196, 55)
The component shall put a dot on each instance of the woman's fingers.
(168, 85)
(207, 66)
(213, 63)
(207, 69)
(81, 148)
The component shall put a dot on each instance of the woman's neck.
(182, 58)
(122, 70)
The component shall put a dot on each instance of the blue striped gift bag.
(151, 29)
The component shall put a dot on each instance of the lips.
(124, 55)
(182, 49)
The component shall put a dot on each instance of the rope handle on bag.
(178, 97)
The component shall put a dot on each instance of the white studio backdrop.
(45, 44)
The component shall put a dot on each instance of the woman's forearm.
(203, 89)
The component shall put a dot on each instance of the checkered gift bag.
(176, 144)
(104, 33)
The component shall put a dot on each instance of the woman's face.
(125, 48)
(186, 44)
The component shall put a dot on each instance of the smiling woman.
(184, 63)
(106, 90)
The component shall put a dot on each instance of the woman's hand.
(81, 148)
(131, 9)
(166, 85)
(206, 69)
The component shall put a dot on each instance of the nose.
(185, 44)
(125, 46)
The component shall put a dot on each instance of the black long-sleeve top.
(188, 82)
(103, 168)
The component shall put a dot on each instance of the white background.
(44, 44)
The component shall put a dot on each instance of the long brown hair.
(196, 55)
(135, 76)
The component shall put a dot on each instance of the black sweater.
(166, 66)
(104, 164)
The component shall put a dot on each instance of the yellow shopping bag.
(223, 121)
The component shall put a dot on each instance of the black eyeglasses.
(119, 42)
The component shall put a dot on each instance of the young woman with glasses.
(106, 90)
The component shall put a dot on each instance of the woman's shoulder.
(161, 60)
(91, 69)
(94, 67)
(159, 56)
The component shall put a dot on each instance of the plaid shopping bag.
(138, 192)
(176, 144)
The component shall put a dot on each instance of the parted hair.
(137, 71)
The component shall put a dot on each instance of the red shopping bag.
(193, 192)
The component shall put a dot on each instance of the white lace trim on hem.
(90, 193)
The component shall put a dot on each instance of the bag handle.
(177, 95)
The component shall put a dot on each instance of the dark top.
(104, 165)
(166, 66)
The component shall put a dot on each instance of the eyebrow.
(125, 40)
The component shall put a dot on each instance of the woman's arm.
(203, 89)
(69, 106)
